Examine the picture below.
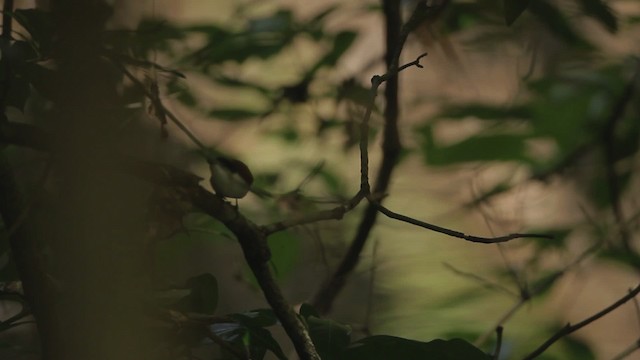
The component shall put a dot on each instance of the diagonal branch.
(568, 329)
(253, 242)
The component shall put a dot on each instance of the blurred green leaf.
(601, 12)
(485, 112)
(500, 147)
(626, 140)
(383, 347)
(237, 83)
(178, 89)
(315, 25)
(549, 15)
(285, 249)
(235, 114)
(341, 43)
(562, 118)
(496, 190)
(577, 349)
(287, 133)
(279, 22)
(545, 282)
(558, 241)
(599, 187)
(513, 9)
(621, 256)
(263, 38)
(463, 15)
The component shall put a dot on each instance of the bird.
(230, 178)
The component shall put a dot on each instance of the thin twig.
(487, 283)
(500, 323)
(628, 351)
(371, 291)
(568, 329)
(158, 103)
(636, 307)
(336, 213)
(457, 234)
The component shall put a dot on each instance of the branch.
(395, 40)
(568, 329)
(628, 351)
(157, 103)
(336, 213)
(457, 234)
(253, 241)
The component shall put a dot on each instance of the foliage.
(584, 112)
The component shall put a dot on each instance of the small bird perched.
(230, 178)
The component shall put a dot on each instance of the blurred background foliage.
(525, 118)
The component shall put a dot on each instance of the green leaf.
(558, 241)
(556, 22)
(235, 114)
(513, 9)
(545, 282)
(499, 147)
(341, 43)
(237, 83)
(315, 26)
(601, 12)
(285, 249)
(562, 113)
(384, 347)
(250, 331)
(485, 112)
(577, 349)
(184, 95)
